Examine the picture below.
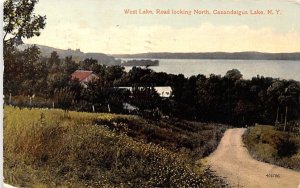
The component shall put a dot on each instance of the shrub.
(272, 146)
(286, 148)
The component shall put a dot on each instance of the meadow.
(52, 148)
(267, 144)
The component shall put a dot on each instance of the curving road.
(232, 161)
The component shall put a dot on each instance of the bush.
(286, 148)
(269, 145)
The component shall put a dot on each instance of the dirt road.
(232, 160)
(7, 186)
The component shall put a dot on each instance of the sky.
(103, 26)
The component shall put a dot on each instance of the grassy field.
(51, 148)
(272, 146)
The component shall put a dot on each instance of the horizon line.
(250, 51)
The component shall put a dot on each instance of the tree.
(113, 74)
(100, 97)
(24, 73)
(64, 98)
(209, 98)
(20, 21)
(69, 65)
(145, 97)
(233, 74)
(245, 112)
(88, 64)
(31, 68)
(138, 76)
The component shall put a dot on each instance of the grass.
(193, 138)
(272, 146)
(50, 148)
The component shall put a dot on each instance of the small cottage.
(84, 76)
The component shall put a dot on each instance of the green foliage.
(64, 98)
(20, 21)
(195, 139)
(22, 71)
(43, 148)
(89, 64)
(233, 74)
(269, 145)
(145, 98)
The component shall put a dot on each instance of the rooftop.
(81, 74)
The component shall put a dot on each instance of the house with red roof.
(84, 76)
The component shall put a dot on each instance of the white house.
(163, 91)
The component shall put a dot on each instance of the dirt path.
(232, 160)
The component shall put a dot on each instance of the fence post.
(108, 108)
(93, 107)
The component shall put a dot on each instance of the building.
(163, 91)
(84, 76)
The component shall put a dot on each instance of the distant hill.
(110, 59)
(76, 54)
(215, 55)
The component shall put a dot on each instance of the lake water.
(249, 68)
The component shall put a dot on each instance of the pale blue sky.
(102, 26)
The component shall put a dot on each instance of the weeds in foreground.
(43, 148)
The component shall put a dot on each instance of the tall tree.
(69, 65)
(20, 21)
